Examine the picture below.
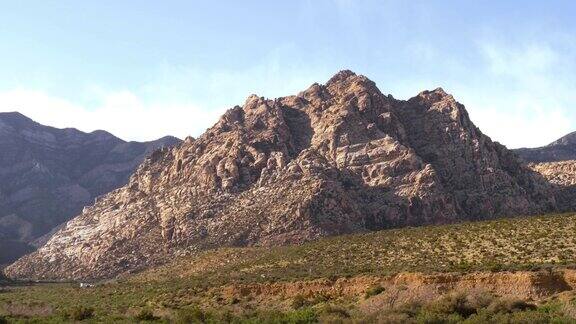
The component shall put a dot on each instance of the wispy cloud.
(527, 97)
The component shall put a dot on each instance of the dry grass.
(507, 244)
(186, 287)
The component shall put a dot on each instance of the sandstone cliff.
(48, 175)
(334, 159)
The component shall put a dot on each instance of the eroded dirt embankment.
(416, 287)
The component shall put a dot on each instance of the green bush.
(389, 318)
(527, 317)
(336, 311)
(480, 300)
(301, 316)
(145, 315)
(508, 305)
(299, 301)
(452, 304)
(234, 301)
(437, 318)
(377, 290)
(194, 315)
(80, 313)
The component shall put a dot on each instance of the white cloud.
(176, 100)
(520, 121)
(523, 94)
(527, 60)
(121, 113)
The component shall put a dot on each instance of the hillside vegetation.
(337, 278)
(506, 244)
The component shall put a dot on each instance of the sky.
(144, 69)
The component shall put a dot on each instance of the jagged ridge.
(47, 175)
(562, 149)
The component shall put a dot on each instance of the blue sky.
(143, 69)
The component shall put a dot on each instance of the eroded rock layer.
(334, 159)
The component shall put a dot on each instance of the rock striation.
(336, 158)
(48, 175)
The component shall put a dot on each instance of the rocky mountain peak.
(336, 158)
(341, 76)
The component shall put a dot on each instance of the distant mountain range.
(47, 175)
(562, 149)
(337, 158)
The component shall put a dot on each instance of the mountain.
(336, 158)
(47, 175)
(562, 176)
(562, 149)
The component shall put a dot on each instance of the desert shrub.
(480, 300)
(376, 290)
(389, 318)
(80, 313)
(335, 311)
(507, 305)
(495, 267)
(233, 301)
(456, 303)
(552, 307)
(319, 298)
(530, 316)
(299, 301)
(193, 315)
(145, 315)
(301, 316)
(427, 317)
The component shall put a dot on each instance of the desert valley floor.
(520, 270)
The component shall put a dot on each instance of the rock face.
(334, 159)
(562, 176)
(563, 149)
(48, 175)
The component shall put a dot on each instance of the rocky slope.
(336, 158)
(48, 175)
(562, 176)
(562, 149)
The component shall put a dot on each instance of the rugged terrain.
(562, 176)
(337, 158)
(562, 149)
(518, 270)
(48, 175)
(557, 164)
